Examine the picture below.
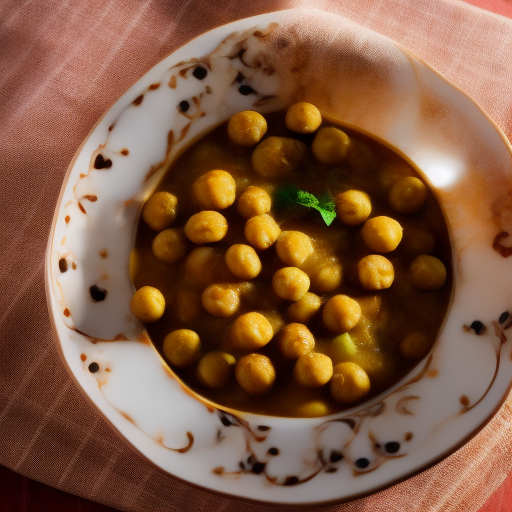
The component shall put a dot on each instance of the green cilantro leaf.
(324, 204)
(286, 196)
(306, 199)
(328, 215)
(327, 209)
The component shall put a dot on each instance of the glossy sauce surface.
(388, 315)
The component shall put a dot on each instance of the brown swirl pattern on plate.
(352, 446)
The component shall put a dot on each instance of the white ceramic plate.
(364, 80)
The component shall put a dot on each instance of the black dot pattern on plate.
(291, 480)
(335, 456)
(245, 90)
(263, 428)
(504, 317)
(478, 327)
(226, 421)
(94, 367)
(183, 106)
(97, 294)
(362, 463)
(138, 100)
(258, 468)
(63, 265)
(101, 163)
(273, 451)
(200, 72)
(392, 447)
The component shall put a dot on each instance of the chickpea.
(349, 383)
(247, 128)
(242, 261)
(206, 227)
(371, 306)
(390, 173)
(353, 207)
(305, 308)
(382, 234)
(207, 151)
(341, 313)
(330, 146)
(408, 195)
(313, 370)
(295, 340)
(254, 201)
(170, 245)
(251, 331)
(376, 365)
(256, 294)
(148, 304)
(290, 283)
(214, 369)
(328, 277)
(246, 289)
(294, 247)
(427, 272)
(255, 373)
(313, 409)
(418, 241)
(414, 345)
(303, 117)
(135, 263)
(221, 300)
(375, 272)
(181, 347)
(360, 157)
(159, 211)
(274, 319)
(214, 190)
(261, 231)
(205, 265)
(187, 306)
(278, 156)
(199, 261)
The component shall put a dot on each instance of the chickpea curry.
(290, 266)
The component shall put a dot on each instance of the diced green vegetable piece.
(342, 348)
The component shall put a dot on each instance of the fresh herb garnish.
(323, 204)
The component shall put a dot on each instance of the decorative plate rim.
(116, 423)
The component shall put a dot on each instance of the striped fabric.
(62, 64)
